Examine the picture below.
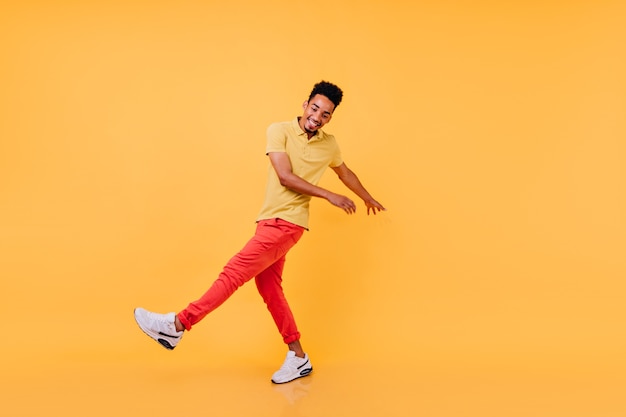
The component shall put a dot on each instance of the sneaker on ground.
(293, 368)
(160, 327)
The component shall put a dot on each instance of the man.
(299, 152)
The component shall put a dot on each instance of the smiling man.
(299, 152)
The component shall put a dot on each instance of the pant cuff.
(292, 338)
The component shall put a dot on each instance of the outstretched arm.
(282, 165)
(349, 178)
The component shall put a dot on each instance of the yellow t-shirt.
(309, 159)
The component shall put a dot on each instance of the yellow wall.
(132, 167)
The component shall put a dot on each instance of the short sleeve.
(336, 159)
(276, 138)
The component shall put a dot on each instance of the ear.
(306, 103)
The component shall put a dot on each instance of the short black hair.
(329, 90)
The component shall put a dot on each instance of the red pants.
(263, 257)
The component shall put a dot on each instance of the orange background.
(132, 167)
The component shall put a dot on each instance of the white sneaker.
(160, 327)
(293, 368)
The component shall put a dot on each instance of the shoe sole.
(163, 342)
(302, 374)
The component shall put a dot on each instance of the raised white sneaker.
(160, 327)
(293, 368)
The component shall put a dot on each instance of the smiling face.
(317, 112)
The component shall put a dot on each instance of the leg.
(272, 240)
(297, 348)
(297, 363)
(269, 285)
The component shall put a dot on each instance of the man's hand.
(374, 206)
(342, 202)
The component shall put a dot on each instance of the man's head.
(329, 90)
(319, 108)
